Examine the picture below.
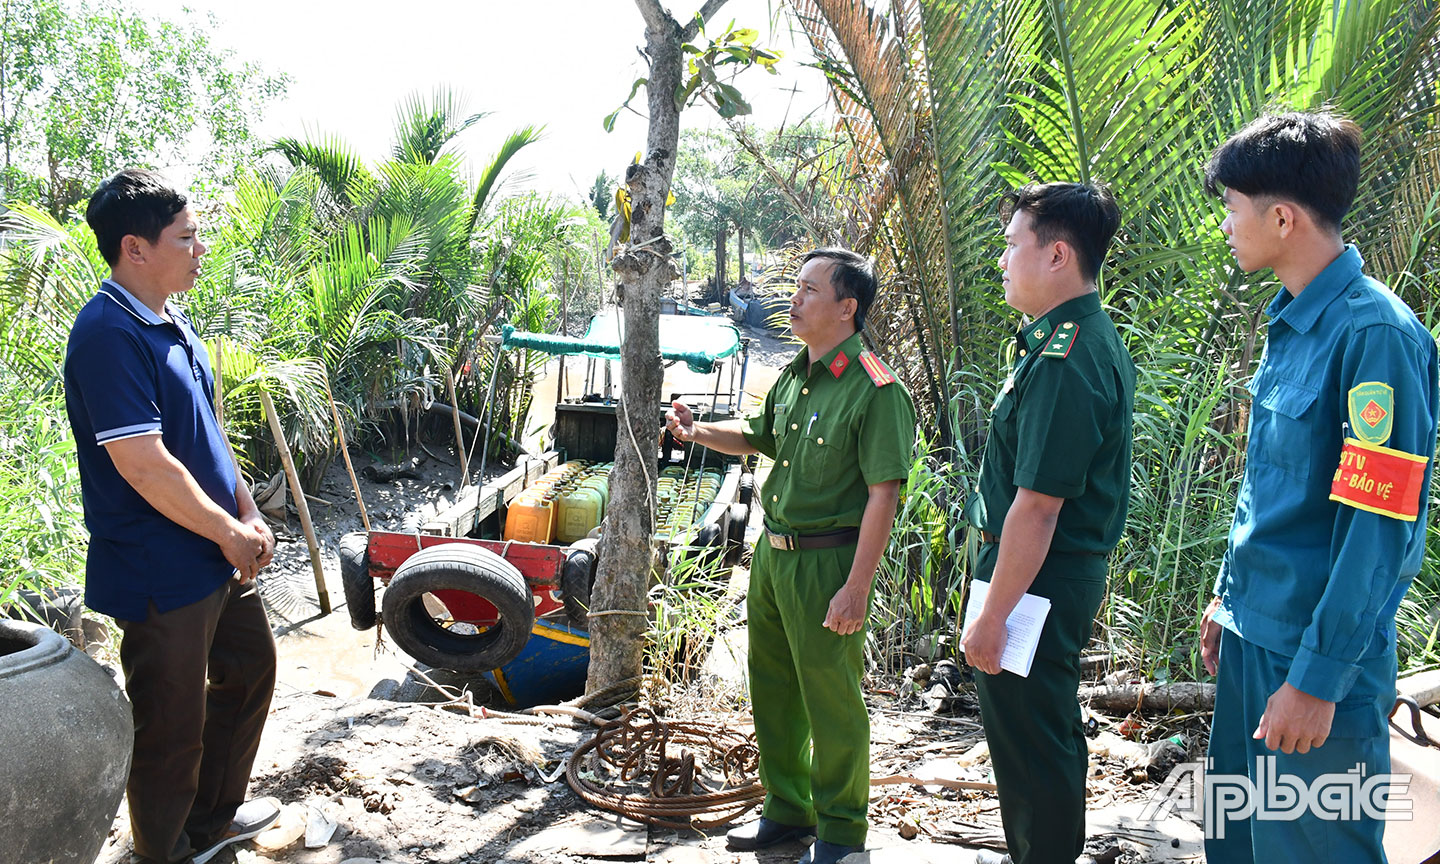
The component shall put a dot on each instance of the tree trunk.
(722, 237)
(619, 616)
(739, 254)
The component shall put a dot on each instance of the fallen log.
(1186, 697)
(1423, 687)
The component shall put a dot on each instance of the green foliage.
(690, 609)
(602, 192)
(719, 184)
(708, 78)
(42, 535)
(91, 87)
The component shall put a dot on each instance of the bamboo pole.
(455, 419)
(345, 452)
(300, 503)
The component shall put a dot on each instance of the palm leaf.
(490, 177)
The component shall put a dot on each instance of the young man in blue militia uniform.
(1053, 491)
(841, 430)
(1329, 526)
(175, 538)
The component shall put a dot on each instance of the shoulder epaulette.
(876, 369)
(1061, 341)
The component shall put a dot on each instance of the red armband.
(1379, 480)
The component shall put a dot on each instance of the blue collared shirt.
(1306, 576)
(129, 372)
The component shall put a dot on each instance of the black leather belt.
(827, 540)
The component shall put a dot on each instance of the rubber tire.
(577, 581)
(464, 567)
(735, 533)
(355, 578)
(709, 535)
(746, 491)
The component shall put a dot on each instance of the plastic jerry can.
(580, 511)
(530, 519)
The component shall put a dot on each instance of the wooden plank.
(472, 505)
(512, 484)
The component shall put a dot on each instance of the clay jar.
(64, 748)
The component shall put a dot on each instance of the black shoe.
(990, 856)
(827, 853)
(765, 832)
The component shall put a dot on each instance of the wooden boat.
(458, 597)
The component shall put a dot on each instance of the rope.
(645, 751)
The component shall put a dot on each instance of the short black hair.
(135, 201)
(853, 277)
(1310, 158)
(1084, 215)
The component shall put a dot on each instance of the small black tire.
(709, 535)
(746, 493)
(355, 579)
(739, 518)
(460, 567)
(577, 581)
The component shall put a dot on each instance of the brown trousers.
(199, 679)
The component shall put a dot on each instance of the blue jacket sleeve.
(1373, 556)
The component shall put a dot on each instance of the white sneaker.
(252, 817)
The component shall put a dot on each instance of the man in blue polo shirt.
(175, 538)
(1329, 528)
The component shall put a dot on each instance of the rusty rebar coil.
(639, 745)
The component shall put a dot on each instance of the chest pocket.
(1282, 429)
(824, 457)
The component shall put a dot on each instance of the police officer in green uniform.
(841, 430)
(1053, 492)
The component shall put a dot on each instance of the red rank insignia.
(839, 363)
(1379, 480)
(875, 369)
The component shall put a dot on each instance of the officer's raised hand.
(680, 421)
(984, 643)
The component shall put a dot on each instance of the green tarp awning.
(700, 341)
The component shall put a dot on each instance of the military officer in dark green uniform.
(841, 430)
(1053, 491)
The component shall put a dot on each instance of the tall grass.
(42, 534)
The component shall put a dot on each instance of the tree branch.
(654, 14)
(707, 12)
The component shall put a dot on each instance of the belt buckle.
(781, 541)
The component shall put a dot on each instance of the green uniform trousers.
(1032, 724)
(805, 690)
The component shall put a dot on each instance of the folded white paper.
(1023, 626)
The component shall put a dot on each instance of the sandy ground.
(354, 752)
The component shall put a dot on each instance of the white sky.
(561, 63)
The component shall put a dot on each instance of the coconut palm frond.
(490, 176)
(425, 124)
(339, 167)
